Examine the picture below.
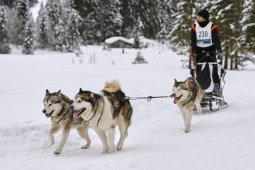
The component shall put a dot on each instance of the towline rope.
(148, 98)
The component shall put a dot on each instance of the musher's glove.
(193, 54)
(220, 56)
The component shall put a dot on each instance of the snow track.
(156, 140)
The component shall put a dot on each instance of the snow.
(115, 39)
(156, 139)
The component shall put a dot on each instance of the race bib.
(204, 35)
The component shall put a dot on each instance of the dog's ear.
(175, 81)
(91, 95)
(92, 99)
(190, 82)
(59, 93)
(47, 91)
(80, 90)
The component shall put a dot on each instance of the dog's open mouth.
(49, 114)
(176, 99)
(77, 114)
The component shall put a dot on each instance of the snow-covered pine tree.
(55, 24)
(229, 26)
(20, 18)
(73, 21)
(166, 8)
(129, 17)
(12, 3)
(42, 36)
(28, 45)
(184, 18)
(248, 26)
(112, 20)
(88, 28)
(4, 39)
(60, 35)
(137, 32)
(147, 11)
(162, 35)
(108, 19)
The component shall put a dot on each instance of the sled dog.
(186, 95)
(103, 112)
(57, 108)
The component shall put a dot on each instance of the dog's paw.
(57, 152)
(187, 131)
(106, 151)
(85, 147)
(119, 146)
(112, 149)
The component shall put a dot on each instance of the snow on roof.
(115, 39)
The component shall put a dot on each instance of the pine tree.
(73, 21)
(21, 15)
(108, 20)
(4, 39)
(248, 25)
(55, 24)
(42, 36)
(229, 26)
(28, 45)
(89, 27)
(11, 3)
(137, 32)
(60, 36)
(112, 20)
(147, 11)
(129, 17)
(180, 34)
(166, 8)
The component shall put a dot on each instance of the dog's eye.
(79, 101)
(50, 105)
(58, 101)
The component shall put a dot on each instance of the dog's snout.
(71, 107)
(44, 111)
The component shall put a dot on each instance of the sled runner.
(210, 101)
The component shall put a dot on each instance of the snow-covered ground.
(223, 140)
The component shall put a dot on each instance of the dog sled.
(210, 101)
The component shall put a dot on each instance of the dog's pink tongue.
(175, 100)
(75, 116)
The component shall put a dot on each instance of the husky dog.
(57, 107)
(186, 95)
(103, 112)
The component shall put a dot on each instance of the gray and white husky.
(103, 112)
(57, 108)
(187, 95)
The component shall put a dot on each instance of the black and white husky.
(187, 94)
(103, 112)
(57, 108)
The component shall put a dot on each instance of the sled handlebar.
(212, 63)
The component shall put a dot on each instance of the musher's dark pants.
(212, 58)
